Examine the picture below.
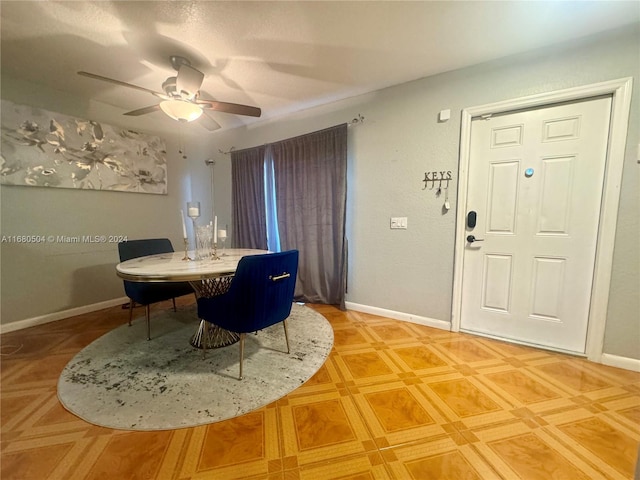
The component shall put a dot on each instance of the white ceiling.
(279, 56)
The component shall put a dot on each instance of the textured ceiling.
(279, 56)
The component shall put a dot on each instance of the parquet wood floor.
(393, 401)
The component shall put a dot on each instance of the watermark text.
(63, 238)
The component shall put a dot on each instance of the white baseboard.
(52, 317)
(407, 317)
(606, 358)
(620, 362)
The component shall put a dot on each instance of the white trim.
(460, 242)
(621, 104)
(407, 317)
(620, 362)
(52, 317)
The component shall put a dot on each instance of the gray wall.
(40, 279)
(412, 271)
(407, 271)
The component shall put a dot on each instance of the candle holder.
(214, 251)
(193, 212)
(186, 247)
(222, 236)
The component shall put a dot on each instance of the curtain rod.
(356, 121)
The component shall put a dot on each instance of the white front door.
(535, 184)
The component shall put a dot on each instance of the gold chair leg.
(286, 335)
(174, 304)
(242, 335)
(148, 313)
(131, 303)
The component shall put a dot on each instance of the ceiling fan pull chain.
(182, 150)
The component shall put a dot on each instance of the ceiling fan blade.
(207, 122)
(189, 80)
(143, 111)
(230, 107)
(122, 84)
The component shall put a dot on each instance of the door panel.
(497, 282)
(547, 287)
(535, 181)
(555, 196)
(508, 136)
(503, 197)
(561, 129)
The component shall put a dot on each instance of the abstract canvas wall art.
(47, 149)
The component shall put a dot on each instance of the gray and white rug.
(123, 381)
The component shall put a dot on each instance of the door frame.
(620, 89)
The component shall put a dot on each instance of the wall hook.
(430, 179)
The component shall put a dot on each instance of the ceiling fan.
(181, 98)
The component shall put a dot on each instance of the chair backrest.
(141, 248)
(262, 290)
(146, 293)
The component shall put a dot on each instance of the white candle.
(222, 233)
(194, 212)
(184, 227)
(215, 229)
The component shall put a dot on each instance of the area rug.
(123, 381)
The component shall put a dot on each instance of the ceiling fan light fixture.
(181, 110)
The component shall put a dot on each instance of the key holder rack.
(440, 179)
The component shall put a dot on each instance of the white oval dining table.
(208, 277)
(172, 267)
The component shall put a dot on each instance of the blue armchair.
(148, 293)
(260, 295)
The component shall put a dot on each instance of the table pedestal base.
(218, 337)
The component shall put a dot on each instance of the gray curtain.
(311, 194)
(249, 216)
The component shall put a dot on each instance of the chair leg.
(148, 313)
(242, 335)
(174, 304)
(131, 303)
(286, 335)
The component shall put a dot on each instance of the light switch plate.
(399, 223)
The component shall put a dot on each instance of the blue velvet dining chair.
(143, 293)
(260, 295)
